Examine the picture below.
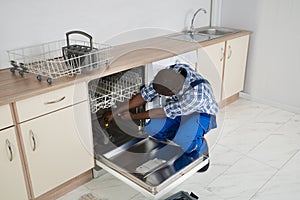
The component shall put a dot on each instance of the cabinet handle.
(32, 138)
(55, 101)
(230, 52)
(10, 153)
(222, 54)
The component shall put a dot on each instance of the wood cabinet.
(12, 181)
(49, 144)
(235, 66)
(210, 66)
(55, 131)
(58, 147)
(223, 65)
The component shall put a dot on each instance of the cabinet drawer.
(6, 117)
(51, 101)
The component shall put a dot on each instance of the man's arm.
(134, 102)
(153, 113)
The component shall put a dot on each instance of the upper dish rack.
(60, 58)
(106, 91)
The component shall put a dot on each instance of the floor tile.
(291, 127)
(276, 150)
(242, 180)
(284, 185)
(75, 194)
(243, 110)
(105, 187)
(272, 119)
(237, 115)
(244, 139)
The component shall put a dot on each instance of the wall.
(31, 22)
(274, 63)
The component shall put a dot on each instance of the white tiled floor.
(255, 154)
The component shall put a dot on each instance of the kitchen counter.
(126, 56)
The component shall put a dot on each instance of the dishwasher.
(124, 149)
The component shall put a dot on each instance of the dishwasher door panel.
(148, 165)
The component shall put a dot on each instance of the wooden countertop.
(125, 56)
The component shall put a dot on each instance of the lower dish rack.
(106, 91)
(47, 60)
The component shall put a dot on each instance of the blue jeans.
(186, 131)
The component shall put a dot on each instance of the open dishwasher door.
(124, 150)
(149, 166)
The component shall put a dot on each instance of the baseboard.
(67, 187)
(229, 100)
(270, 103)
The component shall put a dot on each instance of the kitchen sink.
(191, 37)
(202, 34)
(218, 31)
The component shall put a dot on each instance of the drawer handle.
(9, 153)
(230, 52)
(33, 143)
(55, 101)
(222, 54)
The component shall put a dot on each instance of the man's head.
(168, 82)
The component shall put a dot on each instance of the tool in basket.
(80, 56)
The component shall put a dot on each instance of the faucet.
(191, 31)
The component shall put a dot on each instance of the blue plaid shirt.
(199, 98)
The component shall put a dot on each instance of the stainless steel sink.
(204, 34)
(217, 31)
(192, 37)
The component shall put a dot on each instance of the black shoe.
(203, 169)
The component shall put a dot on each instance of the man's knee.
(162, 129)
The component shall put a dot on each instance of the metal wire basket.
(105, 92)
(48, 59)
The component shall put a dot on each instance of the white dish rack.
(47, 60)
(105, 92)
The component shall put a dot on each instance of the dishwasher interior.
(123, 148)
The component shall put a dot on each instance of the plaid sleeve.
(188, 104)
(148, 93)
(172, 109)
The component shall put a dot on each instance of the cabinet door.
(12, 181)
(58, 147)
(210, 66)
(235, 65)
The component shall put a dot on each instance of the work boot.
(204, 169)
